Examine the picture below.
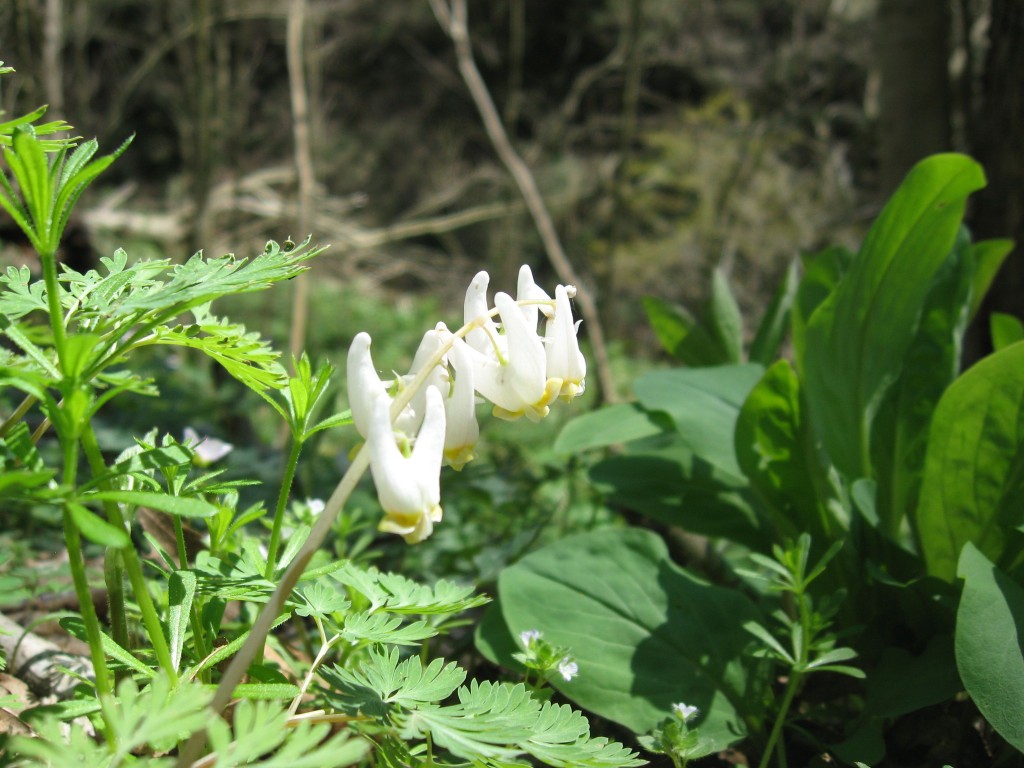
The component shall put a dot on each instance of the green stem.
(113, 575)
(787, 699)
(76, 562)
(49, 261)
(796, 676)
(132, 564)
(18, 415)
(282, 502)
(104, 688)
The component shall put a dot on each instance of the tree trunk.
(998, 210)
(914, 98)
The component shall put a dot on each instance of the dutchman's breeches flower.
(519, 371)
(514, 375)
(408, 481)
(453, 376)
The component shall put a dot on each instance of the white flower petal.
(527, 290)
(364, 385)
(408, 488)
(526, 358)
(462, 431)
(564, 359)
(482, 338)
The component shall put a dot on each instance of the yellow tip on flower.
(411, 526)
(459, 456)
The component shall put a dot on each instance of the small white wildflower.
(316, 506)
(568, 668)
(529, 637)
(207, 449)
(685, 711)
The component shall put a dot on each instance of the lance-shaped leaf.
(857, 339)
(973, 484)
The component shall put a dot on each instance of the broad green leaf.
(687, 475)
(973, 488)
(703, 404)
(680, 489)
(989, 256)
(777, 455)
(717, 339)
(173, 505)
(775, 322)
(899, 436)
(1005, 329)
(857, 339)
(181, 589)
(680, 334)
(822, 272)
(645, 633)
(612, 425)
(989, 628)
(96, 529)
(724, 320)
(901, 683)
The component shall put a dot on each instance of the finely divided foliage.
(177, 649)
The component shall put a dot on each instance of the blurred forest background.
(667, 137)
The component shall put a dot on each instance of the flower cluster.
(545, 658)
(520, 363)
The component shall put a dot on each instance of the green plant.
(173, 657)
(868, 448)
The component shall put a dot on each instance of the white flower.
(684, 711)
(453, 377)
(364, 385)
(568, 669)
(528, 291)
(564, 359)
(529, 637)
(463, 431)
(475, 310)
(207, 449)
(408, 486)
(514, 375)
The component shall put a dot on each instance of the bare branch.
(303, 164)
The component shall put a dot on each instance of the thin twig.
(303, 164)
